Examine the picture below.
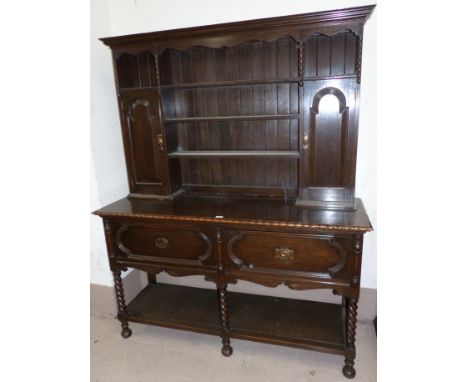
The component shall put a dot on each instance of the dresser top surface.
(264, 212)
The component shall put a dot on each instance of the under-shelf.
(234, 154)
(305, 324)
(234, 118)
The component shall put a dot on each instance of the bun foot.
(226, 350)
(349, 371)
(126, 332)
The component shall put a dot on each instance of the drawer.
(165, 244)
(271, 251)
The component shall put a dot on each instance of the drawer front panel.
(253, 250)
(177, 245)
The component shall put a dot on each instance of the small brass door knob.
(305, 140)
(160, 141)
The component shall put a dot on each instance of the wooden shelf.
(234, 118)
(234, 154)
(305, 324)
(230, 83)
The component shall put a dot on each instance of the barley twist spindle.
(351, 320)
(121, 307)
(227, 349)
(222, 296)
(301, 63)
(358, 59)
(158, 78)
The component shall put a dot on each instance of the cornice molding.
(324, 22)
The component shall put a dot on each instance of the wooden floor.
(305, 324)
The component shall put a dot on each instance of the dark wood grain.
(240, 144)
(304, 324)
(233, 34)
(141, 128)
(247, 98)
(234, 154)
(259, 212)
(179, 245)
(279, 252)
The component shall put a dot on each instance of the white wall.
(108, 174)
(117, 17)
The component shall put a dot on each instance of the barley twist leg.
(351, 314)
(121, 307)
(227, 349)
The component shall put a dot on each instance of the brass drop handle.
(161, 242)
(160, 141)
(284, 254)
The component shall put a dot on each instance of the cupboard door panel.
(328, 145)
(329, 127)
(144, 141)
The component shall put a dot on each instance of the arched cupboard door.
(144, 142)
(329, 144)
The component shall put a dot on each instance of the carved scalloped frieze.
(227, 42)
(208, 273)
(181, 273)
(291, 284)
(216, 40)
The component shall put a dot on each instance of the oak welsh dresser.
(240, 143)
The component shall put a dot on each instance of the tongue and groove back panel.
(259, 118)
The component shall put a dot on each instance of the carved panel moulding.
(343, 110)
(140, 102)
(199, 261)
(331, 240)
(231, 254)
(343, 256)
(130, 122)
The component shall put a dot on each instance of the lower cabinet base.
(297, 323)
